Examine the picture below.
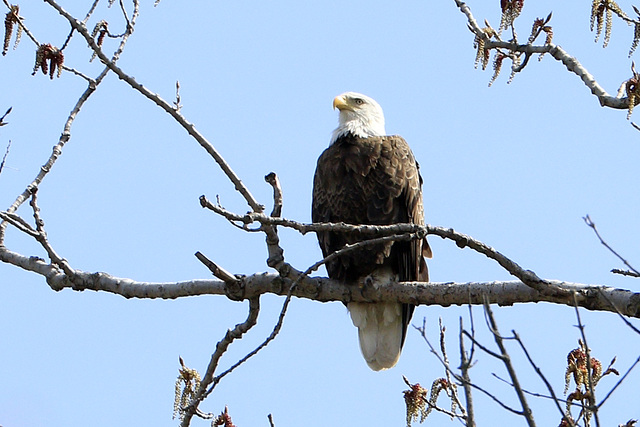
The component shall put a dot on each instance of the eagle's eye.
(359, 101)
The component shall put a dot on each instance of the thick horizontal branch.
(592, 297)
(529, 288)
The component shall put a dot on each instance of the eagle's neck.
(358, 126)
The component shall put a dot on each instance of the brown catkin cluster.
(10, 21)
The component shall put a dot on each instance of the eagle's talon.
(366, 286)
(367, 282)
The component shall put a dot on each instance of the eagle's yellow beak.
(340, 103)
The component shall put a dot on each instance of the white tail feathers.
(379, 331)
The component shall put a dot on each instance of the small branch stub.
(233, 288)
(273, 180)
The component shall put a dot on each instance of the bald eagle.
(366, 177)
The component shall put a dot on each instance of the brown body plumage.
(375, 181)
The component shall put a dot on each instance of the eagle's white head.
(359, 114)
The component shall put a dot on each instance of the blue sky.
(516, 166)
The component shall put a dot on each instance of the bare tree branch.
(624, 272)
(506, 359)
(173, 112)
(273, 180)
(592, 408)
(422, 331)
(592, 225)
(66, 133)
(41, 237)
(216, 270)
(6, 153)
(465, 365)
(637, 331)
(443, 349)
(461, 240)
(292, 282)
(546, 382)
(21, 24)
(619, 382)
(559, 54)
(4, 116)
(322, 289)
(208, 379)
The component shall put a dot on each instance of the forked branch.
(488, 39)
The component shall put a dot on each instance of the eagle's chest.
(363, 181)
(355, 178)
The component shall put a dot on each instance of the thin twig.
(79, 74)
(481, 346)
(126, 18)
(180, 119)
(222, 346)
(530, 393)
(459, 378)
(543, 378)
(19, 223)
(2, 122)
(593, 408)
(41, 237)
(354, 246)
(443, 349)
(634, 329)
(619, 312)
(84, 21)
(6, 153)
(465, 365)
(624, 272)
(619, 382)
(506, 359)
(177, 105)
(66, 133)
(276, 330)
(472, 333)
(24, 27)
(592, 224)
